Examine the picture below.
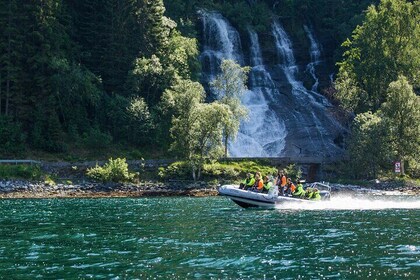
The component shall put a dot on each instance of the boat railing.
(321, 186)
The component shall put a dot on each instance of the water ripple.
(208, 238)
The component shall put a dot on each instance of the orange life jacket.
(292, 187)
(259, 184)
(283, 181)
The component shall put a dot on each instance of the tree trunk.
(226, 141)
(193, 173)
(402, 167)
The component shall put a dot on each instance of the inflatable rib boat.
(247, 199)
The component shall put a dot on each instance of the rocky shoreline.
(28, 189)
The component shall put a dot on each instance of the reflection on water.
(179, 238)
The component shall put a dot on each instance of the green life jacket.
(308, 193)
(299, 190)
(316, 196)
(249, 182)
(268, 185)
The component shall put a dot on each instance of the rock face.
(286, 119)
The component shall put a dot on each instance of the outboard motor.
(274, 191)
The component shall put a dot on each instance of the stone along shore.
(28, 189)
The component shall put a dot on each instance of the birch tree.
(229, 86)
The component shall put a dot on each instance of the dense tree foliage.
(88, 74)
(334, 20)
(197, 127)
(383, 47)
(401, 115)
(75, 71)
(368, 146)
(391, 134)
(380, 68)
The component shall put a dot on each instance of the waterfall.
(263, 133)
(256, 55)
(222, 41)
(315, 54)
(287, 63)
(310, 127)
(331, 77)
(285, 119)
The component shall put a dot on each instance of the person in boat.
(248, 182)
(315, 195)
(267, 184)
(299, 192)
(308, 193)
(259, 184)
(289, 188)
(281, 180)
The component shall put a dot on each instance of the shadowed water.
(208, 238)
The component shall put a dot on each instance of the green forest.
(95, 79)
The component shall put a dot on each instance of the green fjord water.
(208, 238)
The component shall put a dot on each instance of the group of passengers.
(285, 185)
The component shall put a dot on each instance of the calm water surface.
(207, 238)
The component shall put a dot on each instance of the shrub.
(217, 170)
(293, 171)
(113, 171)
(178, 170)
(28, 172)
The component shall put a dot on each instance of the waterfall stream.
(315, 53)
(264, 131)
(285, 118)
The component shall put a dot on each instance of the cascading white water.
(285, 119)
(222, 41)
(315, 53)
(312, 138)
(256, 55)
(263, 133)
(288, 64)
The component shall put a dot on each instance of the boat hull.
(249, 199)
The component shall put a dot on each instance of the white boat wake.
(352, 203)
